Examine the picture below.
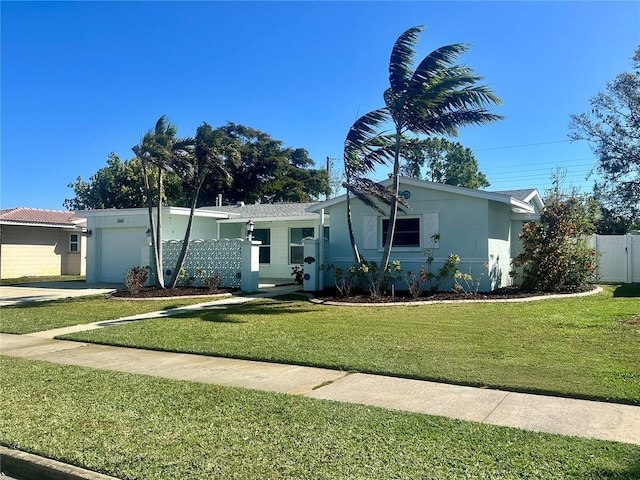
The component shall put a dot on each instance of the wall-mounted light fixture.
(148, 232)
(250, 227)
(88, 233)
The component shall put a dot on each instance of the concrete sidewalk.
(581, 418)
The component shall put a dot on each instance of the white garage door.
(122, 248)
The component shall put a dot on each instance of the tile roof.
(36, 216)
(266, 210)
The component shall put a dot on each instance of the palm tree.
(364, 149)
(435, 99)
(159, 148)
(207, 158)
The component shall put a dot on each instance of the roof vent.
(240, 204)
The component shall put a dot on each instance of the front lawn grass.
(40, 279)
(140, 427)
(39, 316)
(585, 347)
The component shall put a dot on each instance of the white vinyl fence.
(619, 259)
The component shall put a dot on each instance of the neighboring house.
(480, 227)
(35, 242)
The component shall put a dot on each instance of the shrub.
(416, 282)
(213, 283)
(555, 254)
(377, 281)
(345, 281)
(135, 279)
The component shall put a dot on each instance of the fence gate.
(619, 257)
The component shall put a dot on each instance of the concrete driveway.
(41, 292)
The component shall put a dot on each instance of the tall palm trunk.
(393, 214)
(354, 247)
(187, 238)
(157, 266)
(158, 235)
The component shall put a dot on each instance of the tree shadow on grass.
(627, 290)
(278, 306)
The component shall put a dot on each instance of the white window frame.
(372, 240)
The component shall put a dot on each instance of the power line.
(523, 145)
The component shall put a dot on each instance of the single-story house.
(480, 227)
(36, 242)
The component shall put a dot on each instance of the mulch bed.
(331, 295)
(152, 292)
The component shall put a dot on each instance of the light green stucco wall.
(476, 229)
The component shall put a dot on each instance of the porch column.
(250, 266)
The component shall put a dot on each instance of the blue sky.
(82, 79)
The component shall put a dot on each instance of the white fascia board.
(47, 225)
(527, 217)
(442, 187)
(182, 211)
(518, 206)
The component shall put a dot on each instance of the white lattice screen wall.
(213, 256)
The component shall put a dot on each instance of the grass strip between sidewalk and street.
(135, 426)
(584, 347)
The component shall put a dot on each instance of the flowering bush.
(377, 281)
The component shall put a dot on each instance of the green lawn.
(40, 316)
(584, 347)
(140, 427)
(50, 278)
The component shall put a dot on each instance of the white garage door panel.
(121, 250)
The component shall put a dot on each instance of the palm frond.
(401, 60)
(376, 191)
(363, 144)
(436, 61)
(363, 197)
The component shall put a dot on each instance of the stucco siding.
(476, 226)
(499, 244)
(37, 251)
(461, 222)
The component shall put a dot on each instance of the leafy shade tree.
(121, 185)
(443, 162)
(556, 256)
(211, 156)
(613, 130)
(267, 171)
(437, 98)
